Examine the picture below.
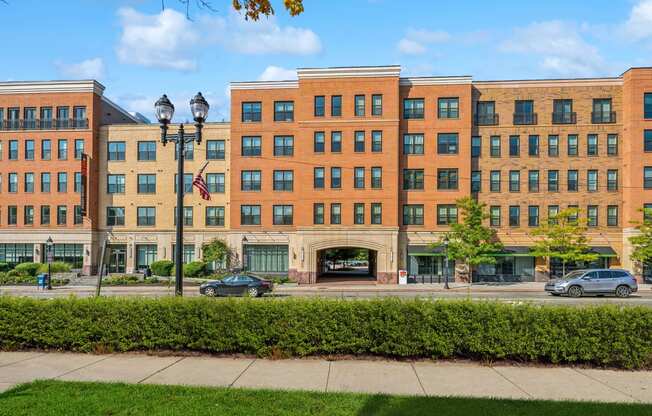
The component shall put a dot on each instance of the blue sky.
(139, 51)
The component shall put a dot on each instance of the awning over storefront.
(508, 251)
(425, 250)
(604, 251)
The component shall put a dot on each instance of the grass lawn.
(70, 398)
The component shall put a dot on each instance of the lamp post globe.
(199, 108)
(164, 109)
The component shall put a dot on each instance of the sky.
(139, 50)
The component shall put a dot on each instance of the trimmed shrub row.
(601, 335)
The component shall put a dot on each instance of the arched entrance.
(340, 264)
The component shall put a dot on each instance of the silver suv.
(594, 281)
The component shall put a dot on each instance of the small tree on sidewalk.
(469, 240)
(563, 236)
(215, 251)
(642, 243)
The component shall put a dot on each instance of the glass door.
(117, 259)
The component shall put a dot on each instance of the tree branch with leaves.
(252, 9)
(642, 242)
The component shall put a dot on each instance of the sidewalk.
(390, 377)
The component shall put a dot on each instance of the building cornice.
(350, 72)
(41, 87)
(538, 83)
(412, 81)
(263, 85)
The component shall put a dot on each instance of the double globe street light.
(164, 112)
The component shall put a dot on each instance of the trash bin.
(41, 280)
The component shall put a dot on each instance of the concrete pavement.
(370, 376)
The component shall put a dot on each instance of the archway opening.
(340, 264)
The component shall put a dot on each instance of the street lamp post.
(49, 243)
(446, 262)
(164, 112)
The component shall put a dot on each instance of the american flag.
(200, 184)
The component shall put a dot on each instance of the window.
(283, 110)
(318, 181)
(63, 115)
(45, 182)
(514, 215)
(12, 215)
(77, 215)
(553, 145)
(647, 140)
(336, 178)
(572, 180)
(572, 145)
(592, 145)
(612, 180)
(412, 214)
(147, 150)
(592, 180)
(533, 145)
(79, 114)
(413, 144)
(187, 216)
(78, 182)
(376, 213)
(612, 215)
(115, 184)
(251, 111)
(413, 108)
(514, 146)
(283, 180)
(647, 177)
(62, 214)
(215, 182)
(602, 111)
(250, 214)
(46, 118)
(494, 216)
(358, 213)
(533, 181)
(412, 179)
(514, 181)
(115, 216)
(45, 215)
(494, 146)
(359, 105)
(318, 213)
(282, 215)
(188, 151)
(29, 118)
(494, 181)
(647, 105)
(319, 142)
(485, 114)
(146, 216)
(215, 216)
(62, 182)
(29, 182)
(592, 215)
(553, 180)
(13, 149)
(28, 214)
(250, 180)
(524, 112)
(647, 212)
(476, 146)
(62, 150)
(188, 252)
(13, 182)
(187, 183)
(476, 181)
(376, 141)
(446, 214)
(447, 179)
(376, 177)
(29, 149)
(215, 150)
(320, 106)
(553, 211)
(336, 105)
(562, 112)
(447, 143)
(46, 149)
(533, 216)
(448, 108)
(336, 213)
(358, 141)
(146, 183)
(79, 148)
(376, 105)
(145, 255)
(251, 146)
(116, 150)
(283, 145)
(13, 115)
(336, 141)
(358, 178)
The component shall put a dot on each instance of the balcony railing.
(52, 124)
(525, 118)
(564, 118)
(603, 117)
(486, 119)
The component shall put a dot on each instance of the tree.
(563, 236)
(215, 250)
(642, 243)
(253, 9)
(470, 241)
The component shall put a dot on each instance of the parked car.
(594, 281)
(237, 285)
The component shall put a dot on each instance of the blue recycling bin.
(41, 280)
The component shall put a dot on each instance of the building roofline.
(350, 72)
(513, 83)
(263, 85)
(40, 87)
(440, 80)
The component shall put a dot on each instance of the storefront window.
(16, 253)
(145, 255)
(73, 254)
(266, 258)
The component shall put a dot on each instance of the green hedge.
(193, 269)
(4, 267)
(55, 267)
(162, 268)
(27, 269)
(600, 335)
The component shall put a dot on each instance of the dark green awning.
(604, 251)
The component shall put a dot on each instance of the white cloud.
(560, 46)
(277, 73)
(88, 69)
(639, 24)
(162, 40)
(415, 41)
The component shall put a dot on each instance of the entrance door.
(117, 259)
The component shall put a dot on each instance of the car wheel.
(574, 291)
(623, 291)
(210, 291)
(252, 292)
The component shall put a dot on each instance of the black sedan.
(237, 285)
